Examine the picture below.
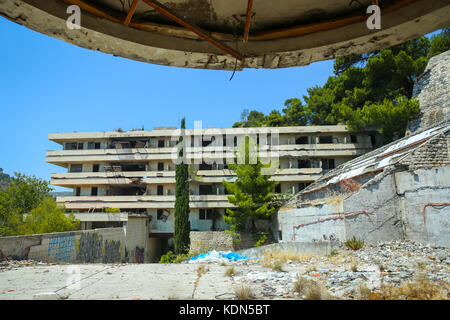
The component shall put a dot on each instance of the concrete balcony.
(168, 177)
(63, 157)
(142, 202)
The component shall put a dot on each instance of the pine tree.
(182, 226)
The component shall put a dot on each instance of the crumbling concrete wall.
(86, 246)
(393, 205)
(137, 239)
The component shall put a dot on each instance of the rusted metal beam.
(268, 35)
(247, 20)
(326, 25)
(131, 12)
(204, 35)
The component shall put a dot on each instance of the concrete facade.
(135, 171)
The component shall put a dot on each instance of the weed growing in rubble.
(354, 244)
(310, 289)
(231, 271)
(276, 265)
(419, 289)
(243, 292)
(362, 291)
(201, 270)
(333, 253)
(284, 256)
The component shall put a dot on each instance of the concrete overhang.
(147, 134)
(230, 35)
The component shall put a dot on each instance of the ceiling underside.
(230, 34)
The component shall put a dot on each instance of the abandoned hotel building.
(134, 171)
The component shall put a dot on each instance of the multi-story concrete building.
(134, 171)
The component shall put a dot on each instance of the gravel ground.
(342, 273)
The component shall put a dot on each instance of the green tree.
(182, 225)
(440, 43)
(251, 192)
(22, 194)
(48, 217)
(372, 89)
(4, 179)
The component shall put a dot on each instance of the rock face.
(432, 90)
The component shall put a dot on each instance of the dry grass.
(311, 290)
(419, 289)
(276, 265)
(243, 292)
(201, 270)
(285, 256)
(362, 292)
(231, 271)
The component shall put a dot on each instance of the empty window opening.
(95, 168)
(205, 214)
(76, 168)
(205, 189)
(328, 164)
(304, 163)
(160, 166)
(278, 188)
(160, 215)
(160, 143)
(301, 140)
(126, 191)
(74, 146)
(117, 167)
(325, 139)
(373, 140)
(353, 138)
(94, 191)
(205, 166)
(303, 185)
(93, 145)
(77, 191)
(160, 190)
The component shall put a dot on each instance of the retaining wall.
(85, 246)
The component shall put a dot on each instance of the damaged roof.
(231, 34)
(375, 161)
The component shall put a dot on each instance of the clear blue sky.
(49, 86)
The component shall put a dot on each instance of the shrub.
(168, 257)
(354, 244)
(243, 292)
(231, 271)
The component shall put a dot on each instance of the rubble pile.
(341, 272)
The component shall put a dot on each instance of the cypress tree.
(182, 225)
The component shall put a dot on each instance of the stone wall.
(204, 241)
(432, 91)
(85, 246)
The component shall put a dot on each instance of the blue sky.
(48, 86)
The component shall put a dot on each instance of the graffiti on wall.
(111, 251)
(92, 248)
(60, 248)
(139, 255)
